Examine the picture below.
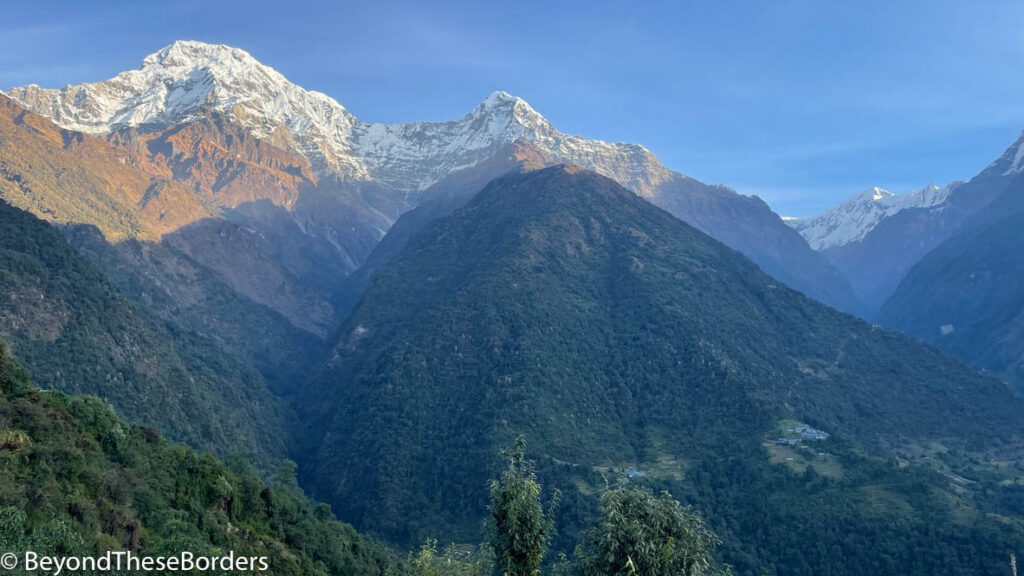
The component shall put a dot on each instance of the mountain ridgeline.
(967, 295)
(744, 223)
(622, 341)
(247, 267)
(323, 186)
(876, 237)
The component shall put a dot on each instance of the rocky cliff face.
(69, 177)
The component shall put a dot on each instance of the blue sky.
(800, 102)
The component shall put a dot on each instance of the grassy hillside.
(625, 344)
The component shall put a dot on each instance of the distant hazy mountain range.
(967, 294)
(939, 263)
(875, 236)
(854, 219)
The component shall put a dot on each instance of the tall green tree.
(519, 529)
(646, 535)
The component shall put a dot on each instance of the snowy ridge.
(1011, 161)
(852, 220)
(189, 79)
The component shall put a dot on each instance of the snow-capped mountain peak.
(501, 99)
(175, 84)
(503, 110)
(188, 79)
(875, 194)
(194, 54)
(854, 219)
(1011, 161)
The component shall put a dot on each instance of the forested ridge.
(77, 480)
(76, 332)
(630, 350)
(623, 343)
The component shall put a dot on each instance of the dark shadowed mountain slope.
(559, 305)
(745, 223)
(967, 295)
(189, 298)
(78, 334)
(877, 262)
(748, 225)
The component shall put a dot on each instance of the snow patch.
(188, 79)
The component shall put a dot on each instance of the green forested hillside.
(76, 333)
(189, 298)
(624, 343)
(76, 480)
(438, 201)
(748, 224)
